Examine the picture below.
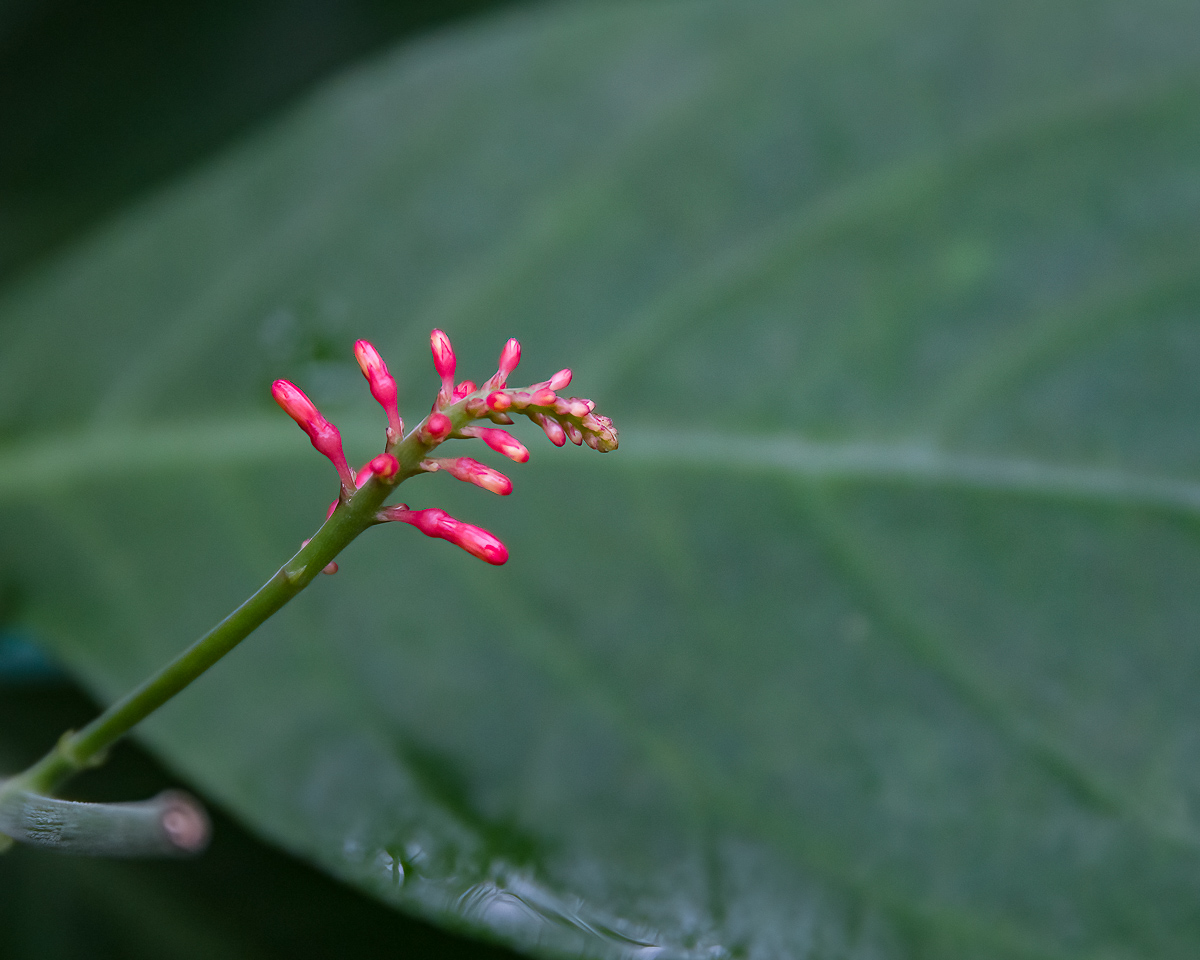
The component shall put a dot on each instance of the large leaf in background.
(241, 901)
(877, 638)
(102, 99)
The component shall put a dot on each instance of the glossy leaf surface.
(877, 636)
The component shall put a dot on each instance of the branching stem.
(79, 750)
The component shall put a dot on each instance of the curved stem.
(78, 750)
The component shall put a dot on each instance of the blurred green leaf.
(875, 639)
(103, 100)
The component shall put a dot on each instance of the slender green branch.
(77, 751)
(26, 812)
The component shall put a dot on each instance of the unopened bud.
(330, 568)
(437, 523)
(297, 405)
(480, 474)
(552, 427)
(323, 434)
(544, 397)
(476, 407)
(602, 429)
(498, 401)
(560, 380)
(465, 388)
(382, 384)
(510, 356)
(384, 466)
(443, 362)
(574, 434)
(436, 429)
(501, 441)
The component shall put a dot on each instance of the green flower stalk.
(174, 823)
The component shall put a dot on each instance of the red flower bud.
(437, 523)
(472, 471)
(384, 466)
(323, 434)
(499, 440)
(552, 427)
(463, 389)
(498, 401)
(296, 405)
(510, 356)
(436, 429)
(382, 384)
(443, 362)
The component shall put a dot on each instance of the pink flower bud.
(472, 471)
(463, 389)
(499, 440)
(330, 568)
(384, 466)
(560, 379)
(544, 397)
(382, 384)
(574, 434)
(443, 362)
(323, 434)
(437, 523)
(498, 401)
(510, 356)
(552, 427)
(520, 399)
(436, 429)
(477, 407)
(580, 408)
(296, 405)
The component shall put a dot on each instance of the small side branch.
(172, 824)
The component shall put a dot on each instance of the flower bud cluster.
(454, 410)
(561, 418)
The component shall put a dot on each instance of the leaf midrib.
(70, 458)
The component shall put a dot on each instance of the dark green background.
(101, 101)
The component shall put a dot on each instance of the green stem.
(76, 751)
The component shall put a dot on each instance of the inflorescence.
(453, 417)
